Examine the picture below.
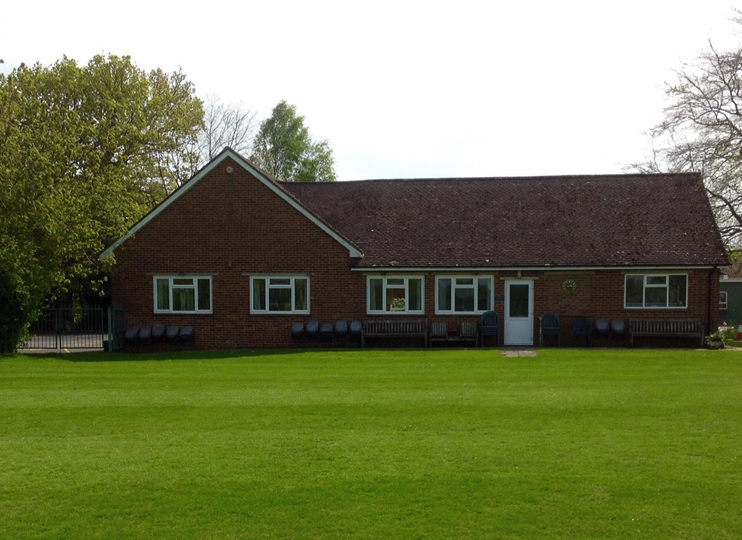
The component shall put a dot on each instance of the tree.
(85, 152)
(284, 148)
(702, 131)
(225, 125)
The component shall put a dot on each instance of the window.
(284, 294)
(182, 294)
(722, 300)
(656, 291)
(465, 294)
(395, 295)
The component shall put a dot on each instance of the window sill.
(184, 312)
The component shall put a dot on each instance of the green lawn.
(363, 444)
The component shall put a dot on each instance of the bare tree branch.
(702, 131)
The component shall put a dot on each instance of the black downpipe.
(709, 304)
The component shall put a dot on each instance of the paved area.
(518, 352)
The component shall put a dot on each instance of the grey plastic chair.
(131, 334)
(145, 334)
(355, 330)
(326, 330)
(341, 329)
(618, 327)
(312, 329)
(172, 334)
(158, 332)
(186, 336)
(297, 331)
(602, 328)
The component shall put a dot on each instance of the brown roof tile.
(624, 220)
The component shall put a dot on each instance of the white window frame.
(474, 285)
(276, 285)
(405, 285)
(723, 301)
(646, 285)
(172, 285)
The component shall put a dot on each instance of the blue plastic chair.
(490, 327)
(549, 326)
(581, 327)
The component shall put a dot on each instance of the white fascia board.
(485, 269)
(229, 153)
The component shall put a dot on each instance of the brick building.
(241, 256)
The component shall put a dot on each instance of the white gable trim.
(229, 153)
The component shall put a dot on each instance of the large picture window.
(656, 291)
(280, 294)
(395, 294)
(182, 294)
(463, 294)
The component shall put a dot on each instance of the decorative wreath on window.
(569, 286)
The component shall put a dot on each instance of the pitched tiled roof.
(624, 220)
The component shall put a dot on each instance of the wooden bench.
(372, 329)
(665, 328)
(469, 331)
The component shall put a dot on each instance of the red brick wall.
(599, 295)
(231, 226)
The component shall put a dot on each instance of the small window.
(285, 294)
(722, 300)
(182, 294)
(464, 294)
(395, 295)
(656, 291)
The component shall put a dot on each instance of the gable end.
(353, 251)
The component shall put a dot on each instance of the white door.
(518, 312)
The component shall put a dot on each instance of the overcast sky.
(408, 89)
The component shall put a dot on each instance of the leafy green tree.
(85, 151)
(702, 131)
(284, 148)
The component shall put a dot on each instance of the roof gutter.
(482, 269)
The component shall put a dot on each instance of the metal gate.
(68, 328)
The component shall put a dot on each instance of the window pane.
(464, 281)
(678, 291)
(258, 294)
(280, 281)
(279, 299)
(634, 291)
(300, 294)
(464, 299)
(395, 281)
(484, 294)
(656, 280)
(376, 294)
(655, 297)
(182, 281)
(444, 294)
(163, 294)
(415, 287)
(204, 294)
(518, 300)
(184, 299)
